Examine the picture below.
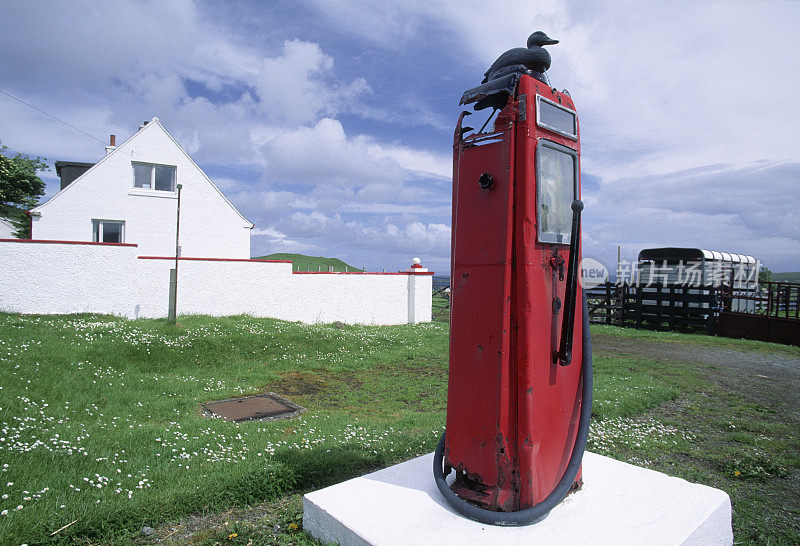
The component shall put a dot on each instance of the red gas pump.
(519, 396)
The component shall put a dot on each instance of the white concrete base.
(619, 504)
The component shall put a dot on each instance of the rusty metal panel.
(480, 375)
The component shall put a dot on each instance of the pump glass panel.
(556, 188)
(556, 118)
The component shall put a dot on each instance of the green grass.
(90, 400)
(786, 277)
(301, 262)
(693, 339)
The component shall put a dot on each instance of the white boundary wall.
(61, 277)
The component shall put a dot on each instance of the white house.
(7, 229)
(130, 196)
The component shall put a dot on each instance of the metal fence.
(605, 303)
(675, 307)
(441, 298)
(771, 299)
(770, 312)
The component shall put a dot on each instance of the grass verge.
(101, 426)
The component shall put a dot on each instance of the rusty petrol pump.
(520, 380)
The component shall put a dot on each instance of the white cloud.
(660, 86)
(480, 29)
(418, 161)
(658, 95)
(388, 24)
(129, 61)
(670, 96)
(293, 87)
(745, 209)
(431, 238)
(391, 208)
(276, 241)
(324, 154)
(667, 86)
(269, 232)
(260, 201)
(226, 185)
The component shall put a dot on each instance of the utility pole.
(173, 284)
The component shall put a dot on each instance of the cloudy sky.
(329, 123)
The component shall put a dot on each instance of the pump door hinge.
(523, 107)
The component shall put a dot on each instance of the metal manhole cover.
(266, 407)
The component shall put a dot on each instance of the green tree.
(20, 188)
(764, 274)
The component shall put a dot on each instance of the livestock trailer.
(699, 270)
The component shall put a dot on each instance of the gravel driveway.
(771, 375)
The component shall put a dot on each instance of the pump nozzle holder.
(564, 354)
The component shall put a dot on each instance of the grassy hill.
(301, 262)
(786, 277)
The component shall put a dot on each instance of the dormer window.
(149, 176)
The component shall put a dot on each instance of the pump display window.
(557, 177)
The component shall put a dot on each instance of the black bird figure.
(534, 58)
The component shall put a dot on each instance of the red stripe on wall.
(359, 273)
(215, 259)
(52, 242)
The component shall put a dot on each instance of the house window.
(108, 231)
(154, 177)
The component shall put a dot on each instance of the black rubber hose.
(539, 511)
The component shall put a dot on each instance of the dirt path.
(770, 377)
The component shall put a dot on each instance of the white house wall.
(210, 226)
(7, 229)
(57, 278)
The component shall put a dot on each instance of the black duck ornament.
(534, 58)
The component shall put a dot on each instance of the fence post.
(624, 301)
(659, 308)
(609, 309)
(715, 294)
(787, 300)
(638, 306)
(769, 298)
(672, 317)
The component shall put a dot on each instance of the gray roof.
(677, 253)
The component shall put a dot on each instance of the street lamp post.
(173, 304)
